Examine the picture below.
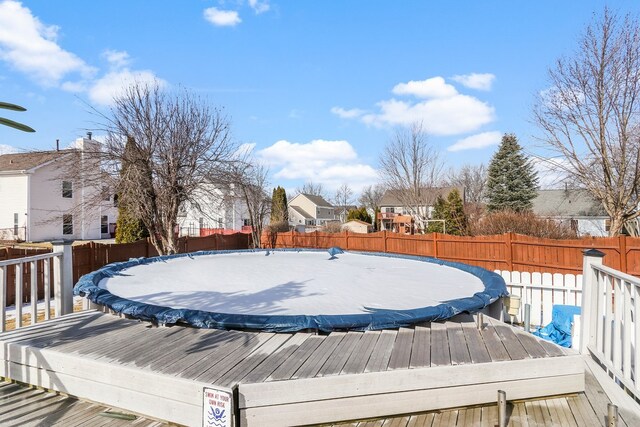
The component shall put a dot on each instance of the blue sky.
(318, 87)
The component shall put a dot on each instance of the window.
(15, 223)
(67, 189)
(246, 222)
(201, 223)
(104, 224)
(390, 210)
(67, 224)
(115, 200)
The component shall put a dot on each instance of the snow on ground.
(292, 283)
(26, 308)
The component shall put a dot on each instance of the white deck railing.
(610, 329)
(57, 262)
(542, 291)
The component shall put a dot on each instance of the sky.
(316, 87)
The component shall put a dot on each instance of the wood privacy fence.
(90, 256)
(509, 251)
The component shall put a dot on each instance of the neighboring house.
(357, 226)
(39, 202)
(312, 212)
(574, 207)
(396, 217)
(341, 212)
(219, 212)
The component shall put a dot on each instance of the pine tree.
(360, 214)
(129, 228)
(279, 210)
(439, 212)
(456, 219)
(512, 181)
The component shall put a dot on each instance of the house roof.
(357, 221)
(27, 161)
(567, 203)
(392, 197)
(317, 200)
(301, 211)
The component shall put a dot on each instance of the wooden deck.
(22, 406)
(303, 378)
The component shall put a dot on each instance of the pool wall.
(88, 287)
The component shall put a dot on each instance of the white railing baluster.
(47, 288)
(626, 331)
(18, 283)
(617, 323)
(608, 313)
(3, 298)
(636, 330)
(34, 292)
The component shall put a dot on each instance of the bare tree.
(343, 199)
(175, 147)
(313, 189)
(371, 197)
(590, 115)
(250, 184)
(411, 168)
(471, 178)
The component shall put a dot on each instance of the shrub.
(526, 223)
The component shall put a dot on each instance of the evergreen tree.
(279, 210)
(439, 212)
(456, 219)
(129, 227)
(512, 181)
(359, 214)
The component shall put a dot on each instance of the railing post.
(63, 285)
(589, 316)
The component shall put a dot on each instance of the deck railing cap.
(593, 253)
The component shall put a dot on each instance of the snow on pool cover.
(291, 290)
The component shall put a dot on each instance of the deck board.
(229, 358)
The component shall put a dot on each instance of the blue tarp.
(88, 287)
(559, 330)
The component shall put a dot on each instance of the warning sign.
(217, 408)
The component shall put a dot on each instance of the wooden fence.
(91, 256)
(509, 251)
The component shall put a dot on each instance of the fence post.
(63, 286)
(622, 245)
(384, 239)
(435, 245)
(508, 237)
(589, 316)
(346, 238)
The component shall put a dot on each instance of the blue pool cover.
(494, 288)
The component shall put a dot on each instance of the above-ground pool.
(291, 290)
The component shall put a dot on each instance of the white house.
(357, 226)
(574, 207)
(219, 211)
(40, 201)
(310, 212)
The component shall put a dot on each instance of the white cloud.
(31, 47)
(7, 149)
(442, 109)
(479, 81)
(441, 116)
(117, 58)
(330, 163)
(347, 114)
(114, 83)
(222, 18)
(434, 87)
(259, 6)
(473, 142)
